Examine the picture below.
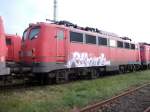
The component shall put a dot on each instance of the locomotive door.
(60, 45)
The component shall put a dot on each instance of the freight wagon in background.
(62, 51)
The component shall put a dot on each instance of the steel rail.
(147, 110)
(99, 105)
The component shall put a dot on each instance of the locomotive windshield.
(34, 33)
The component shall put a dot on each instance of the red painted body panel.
(14, 47)
(116, 56)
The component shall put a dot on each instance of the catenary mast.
(55, 10)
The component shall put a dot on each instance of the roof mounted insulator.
(144, 43)
(126, 38)
(31, 24)
(69, 24)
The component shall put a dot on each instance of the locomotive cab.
(43, 47)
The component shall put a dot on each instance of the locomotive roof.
(91, 31)
(143, 43)
(12, 35)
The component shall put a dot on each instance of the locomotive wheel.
(134, 68)
(138, 67)
(6, 80)
(148, 66)
(121, 69)
(62, 77)
(74, 74)
(131, 68)
(92, 73)
(44, 79)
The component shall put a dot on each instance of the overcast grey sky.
(123, 17)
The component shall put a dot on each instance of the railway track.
(147, 109)
(114, 104)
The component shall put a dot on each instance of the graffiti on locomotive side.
(86, 60)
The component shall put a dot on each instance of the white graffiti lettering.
(86, 60)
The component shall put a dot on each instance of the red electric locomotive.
(13, 43)
(62, 50)
(145, 55)
(3, 50)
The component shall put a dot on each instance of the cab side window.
(90, 39)
(60, 34)
(76, 37)
(132, 46)
(127, 45)
(24, 35)
(102, 41)
(119, 44)
(8, 41)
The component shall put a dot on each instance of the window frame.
(121, 42)
(88, 37)
(103, 38)
(81, 37)
(33, 37)
(60, 34)
(125, 43)
(133, 48)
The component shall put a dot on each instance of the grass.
(62, 98)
